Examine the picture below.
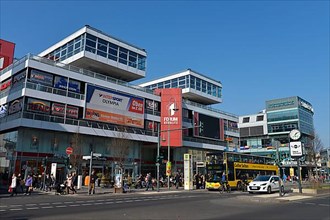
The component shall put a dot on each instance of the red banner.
(6, 53)
(171, 117)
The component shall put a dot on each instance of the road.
(174, 205)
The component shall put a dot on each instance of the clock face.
(295, 134)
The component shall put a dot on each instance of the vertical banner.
(168, 168)
(53, 169)
(6, 53)
(171, 117)
(187, 172)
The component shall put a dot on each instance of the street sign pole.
(158, 146)
(90, 172)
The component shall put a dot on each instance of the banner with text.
(110, 106)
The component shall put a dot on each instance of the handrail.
(208, 108)
(77, 70)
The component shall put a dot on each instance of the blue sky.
(259, 50)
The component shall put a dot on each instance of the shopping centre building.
(267, 132)
(80, 94)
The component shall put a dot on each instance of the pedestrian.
(13, 185)
(74, 183)
(28, 185)
(149, 181)
(19, 183)
(92, 180)
(68, 184)
(197, 177)
(177, 180)
(52, 182)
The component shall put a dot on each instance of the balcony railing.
(75, 69)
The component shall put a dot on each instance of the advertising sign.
(109, 106)
(41, 77)
(187, 172)
(19, 78)
(171, 117)
(37, 105)
(3, 110)
(6, 53)
(5, 85)
(59, 109)
(295, 149)
(15, 106)
(152, 105)
(61, 82)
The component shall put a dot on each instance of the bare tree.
(313, 149)
(76, 156)
(120, 148)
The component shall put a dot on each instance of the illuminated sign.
(19, 77)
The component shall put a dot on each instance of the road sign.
(295, 149)
(97, 155)
(69, 150)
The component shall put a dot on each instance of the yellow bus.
(235, 165)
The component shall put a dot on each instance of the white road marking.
(68, 202)
(61, 206)
(75, 205)
(108, 202)
(56, 203)
(98, 203)
(32, 208)
(32, 204)
(324, 204)
(47, 207)
(47, 203)
(2, 210)
(15, 209)
(86, 204)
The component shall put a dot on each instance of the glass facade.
(100, 47)
(192, 82)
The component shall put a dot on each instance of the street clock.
(295, 134)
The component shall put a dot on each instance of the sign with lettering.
(114, 107)
(295, 149)
(41, 77)
(15, 106)
(37, 105)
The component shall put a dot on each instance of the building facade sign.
(62, 83)
(41, 77)
(19, 78)
(110, 106)
(5, 85)
(15, 106)
(152, 105)
(39, 106)
(279, 104)
(171, 117)
(3, 110)
(6, 53)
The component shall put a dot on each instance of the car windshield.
(262, 178)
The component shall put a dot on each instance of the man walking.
(149, 182)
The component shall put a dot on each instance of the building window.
(260, 118)
(174, 83)
(192, 82)
(123, 55)
(246, 119)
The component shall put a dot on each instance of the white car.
(265, 183)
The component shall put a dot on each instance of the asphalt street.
(197, 204)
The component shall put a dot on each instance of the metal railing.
(209, 108)
(75, 69)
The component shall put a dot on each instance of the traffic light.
(44, 162)
(67, 161)
(159, 159)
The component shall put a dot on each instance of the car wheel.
(269, 190)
